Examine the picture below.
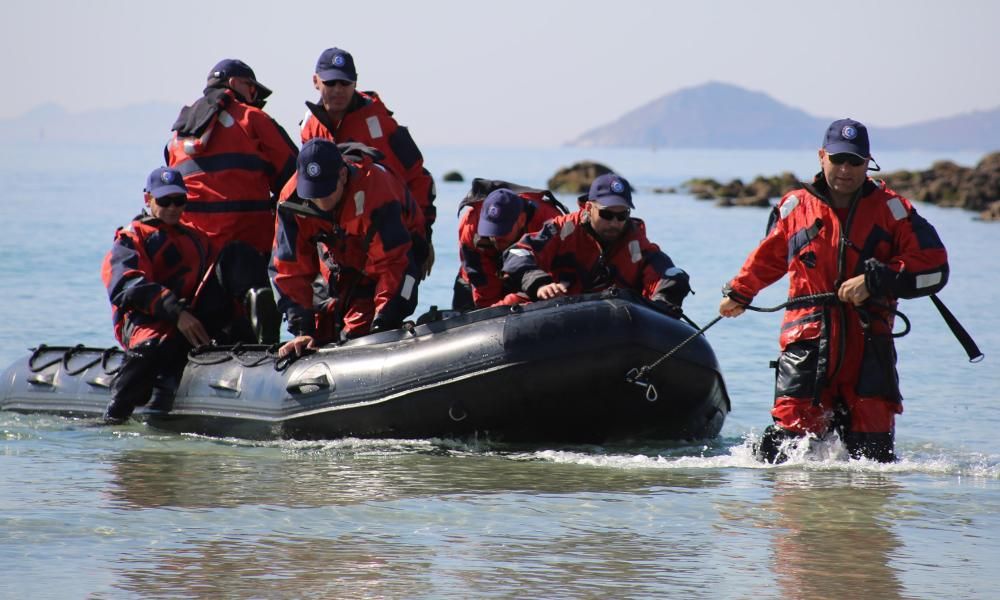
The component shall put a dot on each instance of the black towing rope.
(638, 375)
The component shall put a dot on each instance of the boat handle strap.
(296, 387)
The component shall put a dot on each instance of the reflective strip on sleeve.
(359, 203)
(567, 230)
(673, 272)
(226, 119)
(788, 206)
(519, 252)
(635, 251)
(374, 127)
(408, 284)
(897, 208)
(928, 280)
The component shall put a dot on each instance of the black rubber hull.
(550, 372)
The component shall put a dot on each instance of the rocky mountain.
(720, 115)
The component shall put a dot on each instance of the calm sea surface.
(134, 513)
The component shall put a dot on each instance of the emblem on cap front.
(617, 186)
(167, 177)
(849, 132)
(338, 61)
(493, 213)
(313, 169)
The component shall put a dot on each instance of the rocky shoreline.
(944, 184)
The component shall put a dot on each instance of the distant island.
(720, 115)
(141, 124)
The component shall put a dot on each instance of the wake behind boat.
(551, 371)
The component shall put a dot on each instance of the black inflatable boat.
(551, 371)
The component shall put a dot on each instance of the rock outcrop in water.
(758, 192)
(948, 184)
(576, 179)
(944, 184)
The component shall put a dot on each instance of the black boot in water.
(768, 449)
(873, 446)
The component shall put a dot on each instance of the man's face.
(336, 94)
(244, 87)
(171, 212)
(330, 201)
(608, 221)
(844, 178)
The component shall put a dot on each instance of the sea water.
(131, 512)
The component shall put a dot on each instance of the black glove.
(383, 323)
(668, 308)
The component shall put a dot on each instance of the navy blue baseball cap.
(336, 64)
(319, 164)
(611, 190)
(500, 211)
(164, 181)
(233, 67)
(847, 136)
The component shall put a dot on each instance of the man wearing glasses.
(344, 114)
(598, 247)
(235, 160)
(170, 291)
(850, 247)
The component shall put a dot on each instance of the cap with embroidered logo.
(319, 164)
(611, 190)
(847, 136)
(501, 209)
(164, 181)
(336, 64)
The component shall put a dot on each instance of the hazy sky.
(513, 72)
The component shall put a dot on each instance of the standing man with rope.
(851, 247)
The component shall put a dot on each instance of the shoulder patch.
(567, 229)
(519, 252)
(374, 127)
(359, 203)
(226, 119)
(788, 205)
(896, 208)
(634, 251)
(928, 280)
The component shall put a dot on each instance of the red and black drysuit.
(153, 272)
(348, 271)
(235, 160)
(481, 263)
(369, 122)
(567, 250)
(837, 366)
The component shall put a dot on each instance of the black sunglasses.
(334, 82)
(852, 159)
(171, 200)
(610, 215)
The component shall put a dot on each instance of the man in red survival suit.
(234, 158)
(847, 235)
(344, 114)
(171, 291)
(343, 223)
(598, 247)
(487, 229)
